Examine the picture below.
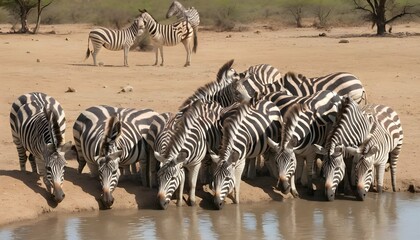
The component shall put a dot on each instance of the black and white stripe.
(183, 14)
(382, 146)
(107, 138)
(195, 133)
(114, 40)
(245, 135)
(38, 126)
(351, 128)
(256, 79)
(306, 121)
(170, 35)
(221, 91)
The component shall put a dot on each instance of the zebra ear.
(65, 147)
(115, 155)
(223, 70)
(214, 156)
(234, 157)
(51, 148)
(293, 142)
(272, 144)
(181, 157)
(338, 151)
(320, 149)
(159, 157)
(372, 151)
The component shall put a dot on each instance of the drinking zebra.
(170, 35)
(183, 14)
(345, 84)
(195, 133)
(107, 138)
(245, 135)
(38, 126)
(221, 90)
(114, 40)
(371, 137)
(305, 121)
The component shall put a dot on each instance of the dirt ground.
(389, 67)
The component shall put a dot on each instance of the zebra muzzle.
(361, 194)
(107, 199)
(58, 194)
(283, 185)
(163, 201)
(218, 203)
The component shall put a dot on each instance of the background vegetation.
(220, 14)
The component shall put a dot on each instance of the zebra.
(256, 79)
(245, 136)
(381, 146)
(351, 128)
(107, 138)
(221, 90)
(195, 133)
(114, 40)
(345, 84)
(305, 121)
(182, 14)
(170, 35)
(38, 126)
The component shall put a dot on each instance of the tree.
(22, 8)
(383, 12)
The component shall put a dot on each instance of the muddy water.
(389, 216)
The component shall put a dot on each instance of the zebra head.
(175, 9)
(227, 74)
(54, 157)
(109, 158)
(363, 159)
(170, 176)
(223, 179)
(333, 168)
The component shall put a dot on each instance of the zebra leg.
(192, 177)
(22, 155)
(251, 170)
(32, 162)
(156, 55)
(238, 173)
(95, 53)
(380, 175)
(161, 55)
(187, 45)
(293, 187)
(152, 171)
(181, 190)
(126, 49)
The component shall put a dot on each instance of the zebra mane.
(230, 129)
(343, 115)
(144, 11)
(211, 89)
(297, 76)
(226, 67)
(53, 127)
(291, 120)
(112, 131)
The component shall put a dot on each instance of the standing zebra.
(306, 121)
(382, 145)
(170, 35)
(114, 40)
(38, 126)
(245, 135)
(107, 138)
(195, 133)
(345, 84)
(183, 14)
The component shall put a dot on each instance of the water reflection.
(389, 216)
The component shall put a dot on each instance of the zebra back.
(344, 84)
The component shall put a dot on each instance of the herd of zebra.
(183, 30)
(289, 123)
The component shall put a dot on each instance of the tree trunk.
(380, 18)
(38, 19)
(24, 20)
(380, 28)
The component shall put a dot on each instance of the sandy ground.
(388, 67)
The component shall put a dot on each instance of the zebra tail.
(195, 40)
(87, 51)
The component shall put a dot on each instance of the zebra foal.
(38, 126)
(114, 40)
(170, 35)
